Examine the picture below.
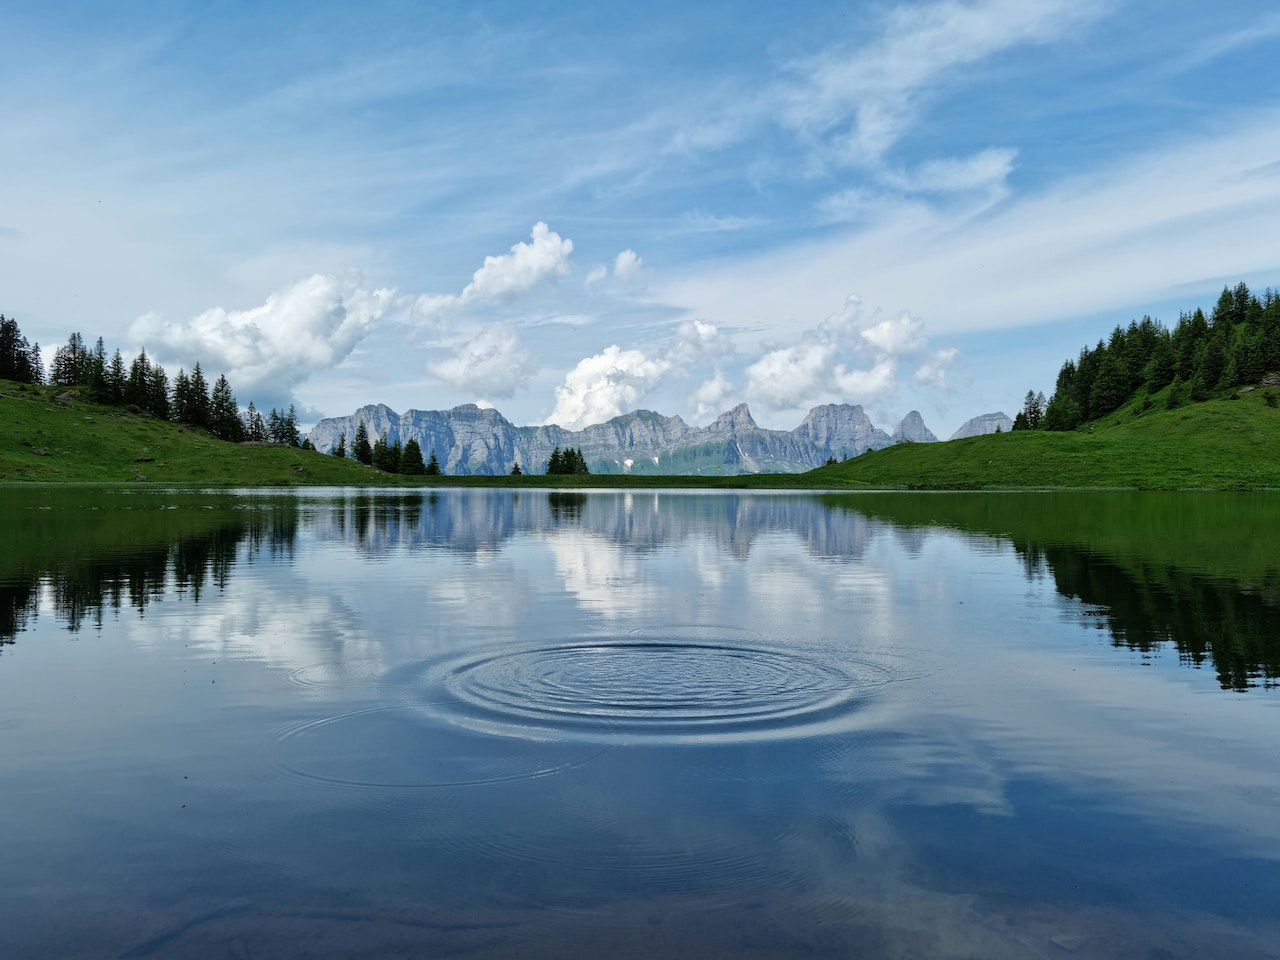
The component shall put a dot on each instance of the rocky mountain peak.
(986, 423)
(913, 430)
(738, 418)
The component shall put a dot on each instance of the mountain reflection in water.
(1150, 584)
(494, 723)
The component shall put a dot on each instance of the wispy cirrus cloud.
(860, 100)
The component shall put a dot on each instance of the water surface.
(492, 723)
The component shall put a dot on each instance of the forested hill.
(1238, 345)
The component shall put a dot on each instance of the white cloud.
(933, 372)
(852, 203)
(596, 274)
(300, 330)
(871, 385)
(492, 364)
(1188, 212)
(605, 386)
(710, 399)
(613, 381)
(864, 100)
(628, 269)
(791, 376)
(987, 170)
(896, 337)
(698, 341)
(504, 277)
(845, 358)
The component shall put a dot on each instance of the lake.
(498, 723)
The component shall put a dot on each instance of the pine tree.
(70, 363)
(516, 471)
(411, 459)
(136, 387)
(433, 466)
(96, 373)
(381, 455)
(341, 449)
(199, 409)
(361, 449)
(19, 360)
(289, 428)
(254, 428)
(114, 379)
(181, 406)
(555, 464)
(224, 412)
(157, 396)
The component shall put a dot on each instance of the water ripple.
(615, 690)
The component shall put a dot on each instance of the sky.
(569, 211)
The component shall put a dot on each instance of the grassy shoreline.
(51, 436)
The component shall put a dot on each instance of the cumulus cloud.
(698, 341)
(605, 385)
(503, 277)
(792, 376)
(896, 337)
(712, 397)
(298, 331)
(933, 371)
(629, 274)
(614, 381)
(491, 364)
(629, 268)
(848, 357)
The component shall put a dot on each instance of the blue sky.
(568, 211)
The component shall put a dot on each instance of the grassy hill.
(50, 435)
(1218, 444)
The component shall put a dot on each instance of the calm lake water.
(545, 724)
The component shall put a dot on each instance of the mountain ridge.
(470, 440)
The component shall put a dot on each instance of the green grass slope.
(44, 438)
(47, 435)
(1218, 444)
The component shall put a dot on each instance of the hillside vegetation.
(49, 434)
(1222, 444)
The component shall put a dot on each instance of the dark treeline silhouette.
(1207, 620)
(385, 456)
(19, 360)
(88, 585)
(144, 385)
(1200, 358)
(1140, 558)
(567, 461)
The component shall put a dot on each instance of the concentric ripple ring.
(649, 690)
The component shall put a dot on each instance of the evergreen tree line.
(567, 461)
(145, 385)
(385, 456)
(1201, 357)
(19, 360)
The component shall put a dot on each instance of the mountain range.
(468, 440)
